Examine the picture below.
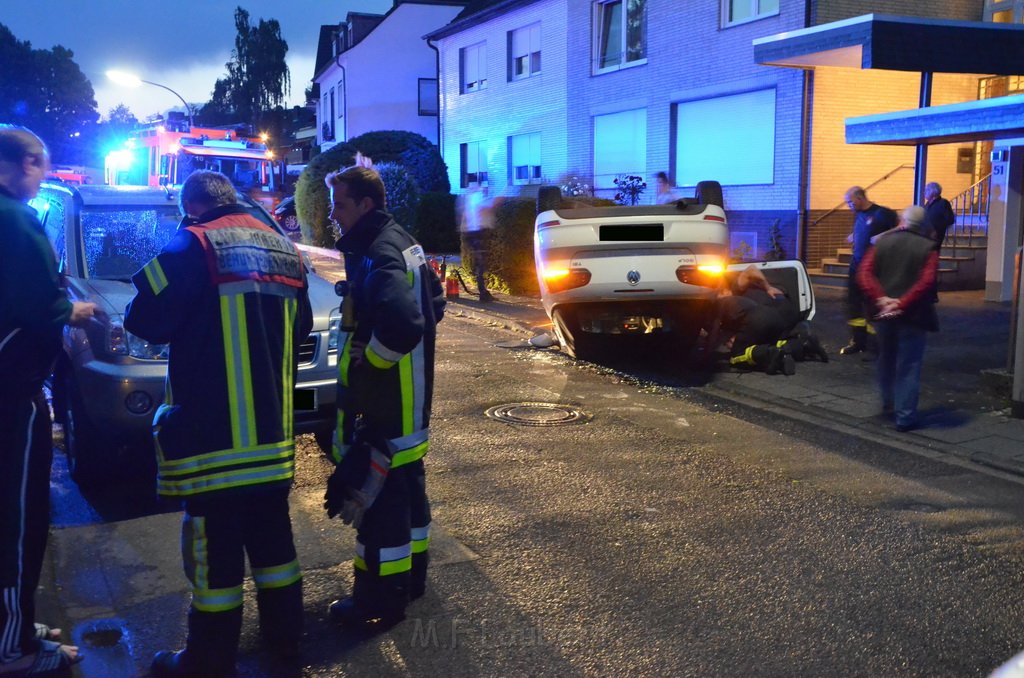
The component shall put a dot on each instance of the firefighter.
(765, 326)
(33, 312)
(386, 376)
(230, 296)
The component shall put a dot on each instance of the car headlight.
(333, 330)
(122, 342)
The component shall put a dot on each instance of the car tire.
(325, 441)
(548, 198)
(81, 439)
(575, 342)
(710, 193)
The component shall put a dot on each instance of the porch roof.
(999, 118)
(898, 43)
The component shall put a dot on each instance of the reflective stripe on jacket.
(230, 296)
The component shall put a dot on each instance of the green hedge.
(510, 264)
(436, 224)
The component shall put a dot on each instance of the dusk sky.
(183, 45)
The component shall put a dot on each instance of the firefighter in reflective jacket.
(229, 294)
(390, 310)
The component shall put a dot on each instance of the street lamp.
(129, 80)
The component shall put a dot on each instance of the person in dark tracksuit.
(386, 378)
(33, 311)
(870, 220)
(230, 296)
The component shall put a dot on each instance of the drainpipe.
(921, 157)
(804, 183)
(437, 70)
(344, 98)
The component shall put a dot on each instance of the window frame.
(535, 174)
(766, 164)
(433, 100)
(755, 15)
(512, 57)
(480, 148)
(479, 48)
(597, 35)
(599, 157)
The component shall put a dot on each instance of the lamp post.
(129, 80)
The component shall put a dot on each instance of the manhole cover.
(538, 414)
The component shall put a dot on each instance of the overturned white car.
(654, 271)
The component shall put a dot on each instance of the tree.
(46, 91)
(257, 80)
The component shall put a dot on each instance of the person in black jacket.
(897, 276)
(230, 296)
(33, 311)
(390, 311)
(938, 211)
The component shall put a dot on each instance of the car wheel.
(710, 193)
(291, 223)
(80, 438)
(548, 198)
(575, 342)
(325, 441)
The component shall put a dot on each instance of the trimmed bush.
(413, 151)
(436, 223)
(400, 193)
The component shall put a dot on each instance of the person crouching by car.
(761, 326)
(898, 277)
(230, 296)
(33, 311)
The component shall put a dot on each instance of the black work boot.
(780, 361)
(813, 349)
(357, 617)
(169, 664)
(858, 341)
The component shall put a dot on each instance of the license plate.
(305, 400)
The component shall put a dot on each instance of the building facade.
(375, 72)
(659, 85)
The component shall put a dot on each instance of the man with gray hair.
(897, 277)
(33, 311)
(940, 215)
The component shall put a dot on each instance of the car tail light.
(705, 275)
(562, 279)
(549, 224)
(714, 217)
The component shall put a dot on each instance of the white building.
(504, 112)
(375, 72)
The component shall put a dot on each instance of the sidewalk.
(962, 421)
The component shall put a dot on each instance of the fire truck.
(164, 155)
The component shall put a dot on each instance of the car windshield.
(120, 240)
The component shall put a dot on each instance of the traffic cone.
(451, 287)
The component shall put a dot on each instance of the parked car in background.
(286, 216)
(108, 382)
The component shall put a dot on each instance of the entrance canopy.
(897, 43)
(999, 118)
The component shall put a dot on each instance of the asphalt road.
(669, 534)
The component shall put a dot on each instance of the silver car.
(108, 382)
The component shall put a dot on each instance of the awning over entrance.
(1000, 118)
(900, 44)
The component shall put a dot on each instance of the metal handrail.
(970, 207)
(871, 185)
